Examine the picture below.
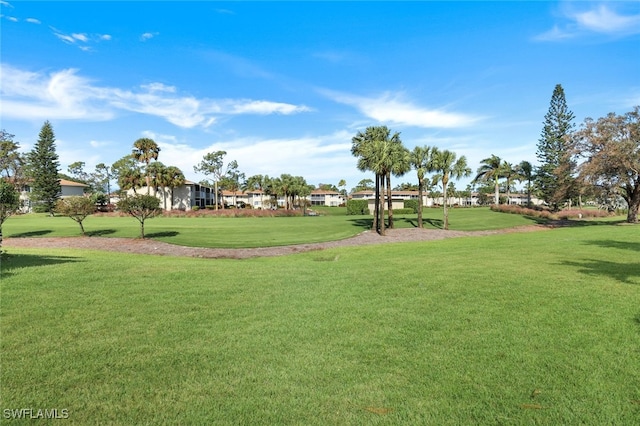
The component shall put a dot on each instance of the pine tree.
(554, 175)
(43, 168)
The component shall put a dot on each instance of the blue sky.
(284, 86)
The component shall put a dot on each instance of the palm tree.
(145, 150)
(491, 169)
(384, 155)
(130, 179)
(156, 174)
(420, 160)
(399, 163)
(258, 182)
(525, 173)
(362, 148)
(175, 178)
(446, 166)
(510, 174)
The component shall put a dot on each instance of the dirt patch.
(148, 246)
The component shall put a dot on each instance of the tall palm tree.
(491, 170)
(362, 148)
(525, 173)
(399, 163)
(510, 174)
(145, 150)
(154, 174)
(447, 167)
(420, 160)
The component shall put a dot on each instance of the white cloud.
(33, 21)
(600, 19)
(604, 20)
(148, 36)
(264, 107)
(394, 109)
(12, 18)
(314, 158)
(83, 41)
(81, 37)
(5, 3)
(67, 95)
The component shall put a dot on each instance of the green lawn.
(533, 328)
(250, 232)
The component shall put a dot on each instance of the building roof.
(64, 182)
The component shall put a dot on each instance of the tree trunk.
(142, 229)
(497, 193)
(634, 204)
(215, 188)
(381, 224)
(446, 212)
(389, 201)
(420, 185)
(376, 205)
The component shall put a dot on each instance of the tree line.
(599, 160)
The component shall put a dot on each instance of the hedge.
(358, 207)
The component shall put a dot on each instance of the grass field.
(250, 232)
(533, 328)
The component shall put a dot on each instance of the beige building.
(68, 188)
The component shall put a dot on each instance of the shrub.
(142, 207)
(404, 211)
(546, 214)
(411, 204)
(76, 208)
(357, 207)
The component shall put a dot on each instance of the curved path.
(149, 246)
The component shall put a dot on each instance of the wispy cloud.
(65, 94)
(148, 36)
(603, 18)
(395, 109)
(83, 41)
(33, 21)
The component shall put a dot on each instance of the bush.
(546, 214)
(358, 207)
(195, 208)
(411, 204)
(403, 211)
(76, 208)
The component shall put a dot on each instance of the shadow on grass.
(436, 223)
(15, 261)
(362, 222)
(30, 234)
(628, 273)
(100, 232)
(161, 234)
(624, 245)
(593, 222)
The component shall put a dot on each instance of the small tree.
(77, 208)
(142, 207)
(9, 202)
